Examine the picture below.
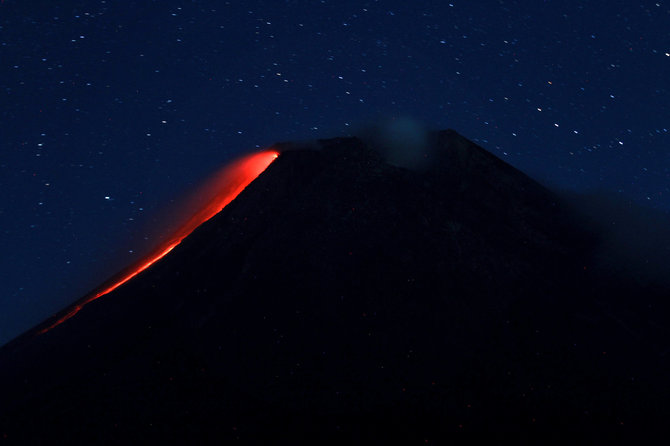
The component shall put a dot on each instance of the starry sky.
(112, 111)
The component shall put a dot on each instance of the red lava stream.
(227, 184)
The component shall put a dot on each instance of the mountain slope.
(341, 295)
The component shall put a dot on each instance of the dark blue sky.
(111, 110)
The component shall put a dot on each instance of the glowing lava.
(226, 185)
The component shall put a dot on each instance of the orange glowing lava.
(226, 185)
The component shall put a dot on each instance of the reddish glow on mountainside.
(223, 188)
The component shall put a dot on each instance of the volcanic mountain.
(342, 296)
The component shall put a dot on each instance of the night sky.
(112, 111)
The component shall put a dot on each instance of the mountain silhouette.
(345, 296)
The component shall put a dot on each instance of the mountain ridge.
(340, 293)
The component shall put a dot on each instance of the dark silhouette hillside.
(344, 297)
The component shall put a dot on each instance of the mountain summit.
(344, 296)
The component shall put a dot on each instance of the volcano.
(342, 296)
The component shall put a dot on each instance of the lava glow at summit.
(223, 188)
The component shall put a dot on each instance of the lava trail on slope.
(224, 186)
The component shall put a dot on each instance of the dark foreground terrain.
(341, 297)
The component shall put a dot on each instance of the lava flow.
(226, 185)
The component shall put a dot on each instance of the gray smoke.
(402, 141)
